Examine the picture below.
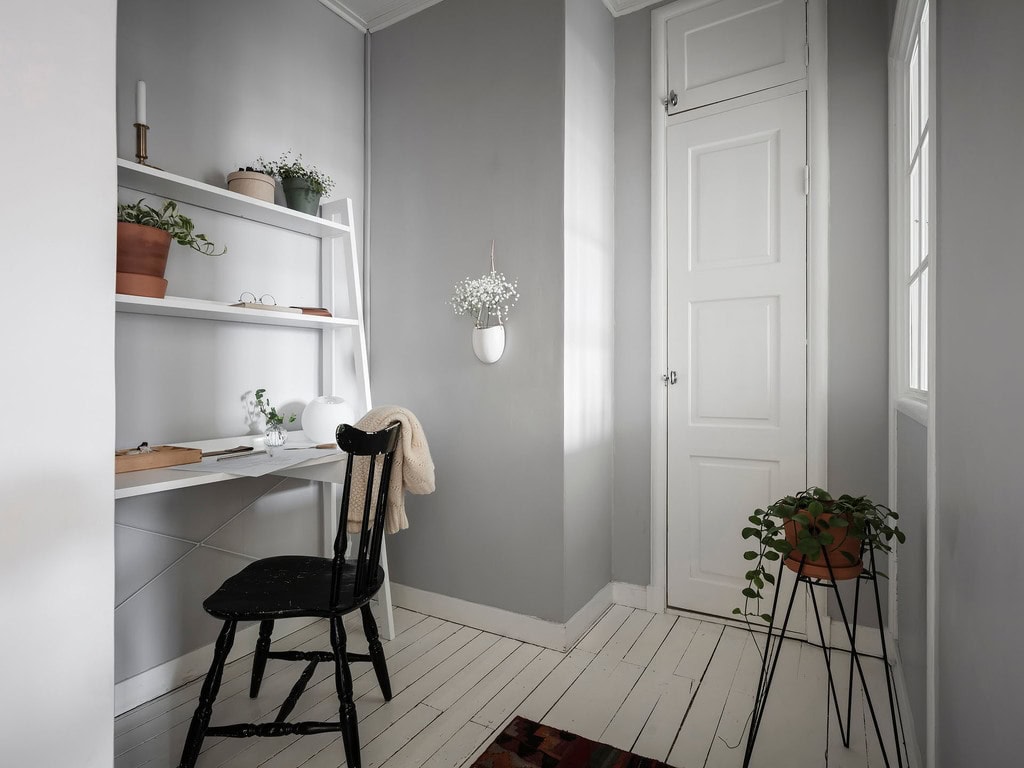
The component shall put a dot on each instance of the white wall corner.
(623, 7)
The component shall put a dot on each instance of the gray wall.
(911, 502)
(631, 520)
(980, 376)
(467, 146)
(858, 371)
(226, 81)
(588, 314)
(858, 346)
(57, 262)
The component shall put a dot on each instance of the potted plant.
(812, 531)
(144, 237)
(275, 435)
(253, 183)
(303, 185)
(488, 300)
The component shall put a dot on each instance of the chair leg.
(259, 659)
(380, 665)
(343, 682)
(201, 718)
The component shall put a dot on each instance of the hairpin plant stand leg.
(773, 649)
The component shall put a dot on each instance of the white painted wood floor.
(667, 687)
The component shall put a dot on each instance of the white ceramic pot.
(320, 419)
(489, 343)
(258, 185)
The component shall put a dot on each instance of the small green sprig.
(269, 411)
(286, 167)
(167, 218)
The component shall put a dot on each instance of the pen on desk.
(240, 455)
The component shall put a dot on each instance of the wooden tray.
(160, 456)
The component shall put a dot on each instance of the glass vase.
(274, 439)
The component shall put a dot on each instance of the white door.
(728, 48)
(736, 219)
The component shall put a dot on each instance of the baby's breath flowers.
(487, 297)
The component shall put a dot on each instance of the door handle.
(670, 378)
(670, 101)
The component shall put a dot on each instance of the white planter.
(489, 343)
(258, 185)
(320, 419)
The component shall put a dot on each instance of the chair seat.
(286, 586)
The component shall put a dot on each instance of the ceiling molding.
(375, 15)
(623, 7)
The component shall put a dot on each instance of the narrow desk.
(330, 470)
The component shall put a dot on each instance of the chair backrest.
(367, 477)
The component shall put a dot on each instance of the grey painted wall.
(911, 501)
(980, 375)
(588, 314)
(631, 520)
(467, 146)
(226, 82)
(858, 431)
(56, 550)
(858, 375)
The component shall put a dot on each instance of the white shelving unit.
(339, 273)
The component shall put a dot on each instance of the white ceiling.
(372, 15)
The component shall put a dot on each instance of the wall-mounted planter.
(489, 343)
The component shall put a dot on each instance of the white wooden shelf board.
(198, 309)
(168, 185)
(128, 484)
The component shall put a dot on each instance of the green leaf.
(766, 617)
(748, 532)
(769, 578)
(737, 611)
(838, 521)
(771, 556)
(748, 592)
(750, 555)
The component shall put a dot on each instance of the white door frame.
(817, 279)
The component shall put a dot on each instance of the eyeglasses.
(248, 297)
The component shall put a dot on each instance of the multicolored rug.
(526, 744)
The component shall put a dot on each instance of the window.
(911, 196)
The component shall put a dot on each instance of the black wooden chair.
(293, 585)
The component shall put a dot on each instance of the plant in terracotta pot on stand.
(487, 300)
(303, 185)
(825, 541)
(144, 236)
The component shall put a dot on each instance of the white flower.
(484, 297)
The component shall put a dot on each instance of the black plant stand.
(773, 648)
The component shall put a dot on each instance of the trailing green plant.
(269, 411)
(815, 517)
(287, 167)
(167, 218)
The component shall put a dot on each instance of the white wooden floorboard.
(672, 688)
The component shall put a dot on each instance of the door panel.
(734, 47)
(736, 246)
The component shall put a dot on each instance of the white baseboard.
(529, 629)
(164, 678)
(630, 595)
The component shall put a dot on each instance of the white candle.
(140, 102)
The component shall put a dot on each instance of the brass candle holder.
(141, 150)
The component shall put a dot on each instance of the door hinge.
(670, 378)
(670, 101)
(807, 180)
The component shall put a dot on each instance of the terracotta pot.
(842, 566)
(254, 184)
(142, 251)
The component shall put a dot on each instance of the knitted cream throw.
(412, 471)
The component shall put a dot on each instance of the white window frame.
(917, 404)
(908, 394)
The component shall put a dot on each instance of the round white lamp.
(321, 418)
